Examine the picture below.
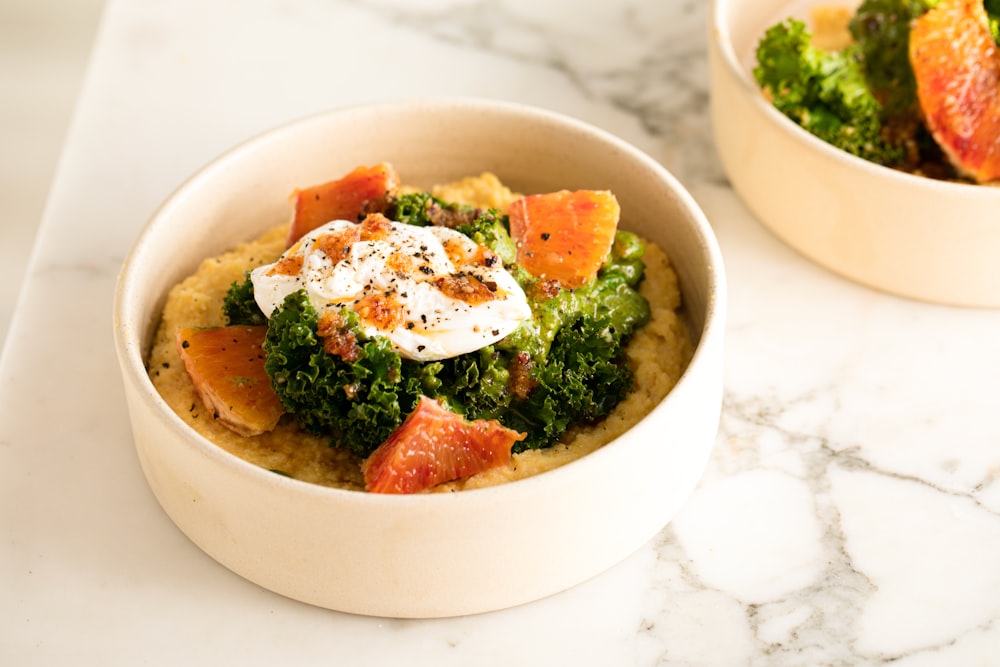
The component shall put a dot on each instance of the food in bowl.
(915, 88)
(346, 349)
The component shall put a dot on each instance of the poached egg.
(432, 291)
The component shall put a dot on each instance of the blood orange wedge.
(226, 365)
(956, 64)
(341, 199)
(434, 445)
(564, 236)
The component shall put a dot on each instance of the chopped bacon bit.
(442, 216)
(375, 227)
(544, 290)
(337, 338)
(461, 255)
(466, 287)
(381, 310)
(521, 383)
(403, 263)
(337, 245)
(290, 265)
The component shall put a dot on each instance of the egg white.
(440, 327)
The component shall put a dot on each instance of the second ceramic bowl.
(911, 236)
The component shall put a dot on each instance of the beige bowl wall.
(911, 236)
(434, 554)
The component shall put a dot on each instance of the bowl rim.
(720, 37)
(126, 323)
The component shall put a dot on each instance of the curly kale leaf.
(585, 373)
(625, 259)
(239, 306)
(613, 291)
(491, 228)
(881, 30)
(993, 12)
(582, 374)
(358, 404)
(477, 384)
(422, 209)
(412, 208)
(488, 227)
(824, 92)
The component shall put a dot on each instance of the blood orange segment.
(956, 64)
(434, 445)
(564, 236)
(341, 199)
(226, 365)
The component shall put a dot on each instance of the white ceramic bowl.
(426, 555)
(911, 236)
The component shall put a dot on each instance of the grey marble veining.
(645, 59)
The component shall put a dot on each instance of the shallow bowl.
(911, 236)
(426, 555)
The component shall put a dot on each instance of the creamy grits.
(658, 354)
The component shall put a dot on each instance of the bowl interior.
(744, 21)
(247, 190)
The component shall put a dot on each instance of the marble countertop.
(850, 514)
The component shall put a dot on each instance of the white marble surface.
(850, 514)
(44, 46)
